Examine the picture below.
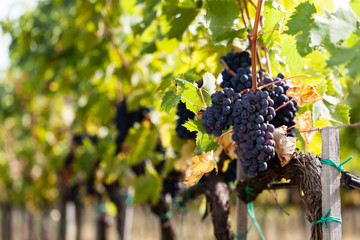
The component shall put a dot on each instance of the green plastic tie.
(332, 163)
(129, 199)
(165, 216)
(248, 191)
(326, 219)
(63, 227)
(251, 213)
(187, 191)
(101, 208)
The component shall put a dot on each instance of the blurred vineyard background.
(71, 64)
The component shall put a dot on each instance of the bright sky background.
(15, 8)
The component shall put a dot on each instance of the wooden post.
(330, 180)
(241, 207)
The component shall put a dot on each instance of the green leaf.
(303, 44)
(147, 187)
(145, 139)
(220, 18)
(194, 125)
(355, 5)
(165, 83)
(204, 143)
(289, 52)
(192, 95)
(208, 87)
(273, 18)
(337, 27)
(181, 20)
(170, 100)
(341, 55)
(329, 109)
(300, 23)
(301, 19)
(189, 77)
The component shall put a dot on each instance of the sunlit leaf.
(304, 123)
(304, 93)
(202, 164)
(228, 145)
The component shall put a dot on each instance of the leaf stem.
(224, 134)
(253, 45)
(193, 104)
(260, 34)
(202, 97)
(293, 126)
(281, 80)
(284, 104)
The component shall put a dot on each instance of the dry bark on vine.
(303, 170)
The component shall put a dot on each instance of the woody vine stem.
(254, 37)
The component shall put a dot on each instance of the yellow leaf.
(304, 93)
(303, 123)
(203, 163)
(284, 145)
(228, 145)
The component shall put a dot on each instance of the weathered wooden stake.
(241, 207)
(330, 180)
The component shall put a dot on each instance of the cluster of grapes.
(253, 132)
(240, 64)
(218, 116)
(124, 120)
(184, 115)
(277, 92)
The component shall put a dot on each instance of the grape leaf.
(320, 4)
(189, 77)
(192, 95)
(194, 125)
(304, 123)
(300, 23)
(181, 20)
(170, 100)
(301, 19)
(342, 55)
(147, 186)
(165, 83)
(292, 57)
(304, 93)
(228, 145)
(204, 143)
(221, 24)
(336, 113)
(208, 87)
(273, 18)
(146, 139)
(202, 164)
